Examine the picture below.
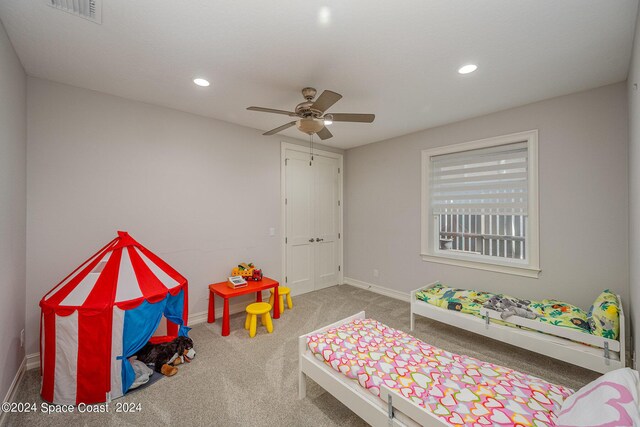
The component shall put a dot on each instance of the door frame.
(284, 146)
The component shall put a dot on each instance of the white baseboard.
(402, 296)
(13, 388)
(33, 361)
(199, 317)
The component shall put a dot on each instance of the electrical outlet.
(272, 231)
(376, 273)
(22, 338)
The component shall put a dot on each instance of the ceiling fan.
(311, 114)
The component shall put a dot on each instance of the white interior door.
(312, 221)
(300, 224)
(326, 221)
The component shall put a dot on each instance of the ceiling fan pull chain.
(311, 149)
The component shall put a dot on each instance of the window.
(480, 204)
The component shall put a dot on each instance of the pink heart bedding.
(458, 389)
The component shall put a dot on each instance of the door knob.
(319, 240)
(311, 240)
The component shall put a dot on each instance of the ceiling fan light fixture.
(310, 115)
(328, 120)
(309, 125)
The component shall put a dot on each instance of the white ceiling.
(397, 59)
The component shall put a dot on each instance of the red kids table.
(225, 292)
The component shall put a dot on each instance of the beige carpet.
(238, 381)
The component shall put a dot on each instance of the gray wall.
(200, 193)
(634, 186)
(13, 205)
(583, 201)
(98, 163)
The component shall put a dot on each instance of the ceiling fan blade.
(279, 129)
(326, 100)
(353, 117)
(324, 133)
(272, 110)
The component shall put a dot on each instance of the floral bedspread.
(460, 390)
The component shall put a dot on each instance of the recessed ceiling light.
(466, 69)
(324, 15)
(201, 82)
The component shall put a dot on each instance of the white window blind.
(491, 180)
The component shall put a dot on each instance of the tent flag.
(139, 325)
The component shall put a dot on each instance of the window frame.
(431, 252)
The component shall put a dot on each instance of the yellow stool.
(253, 310)
(282, 291)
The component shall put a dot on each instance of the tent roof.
(123, 273)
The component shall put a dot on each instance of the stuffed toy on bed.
(510, 307)
(164, 357)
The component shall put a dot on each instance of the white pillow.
(611, 400)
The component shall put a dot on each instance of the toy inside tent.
(102, 314)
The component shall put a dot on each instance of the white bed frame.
(390, 409)
(600, 355)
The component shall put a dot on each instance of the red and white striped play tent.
(103, 313)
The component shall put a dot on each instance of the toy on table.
(235, 282)
(247, 271)
(257, 274)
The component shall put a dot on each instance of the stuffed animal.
(519, 308)
(166, 356)
(510, 307)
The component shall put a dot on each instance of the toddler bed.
(593, 340)
(388, 377)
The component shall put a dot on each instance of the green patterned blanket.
(550, 311)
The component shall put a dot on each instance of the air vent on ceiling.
(87, 9)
